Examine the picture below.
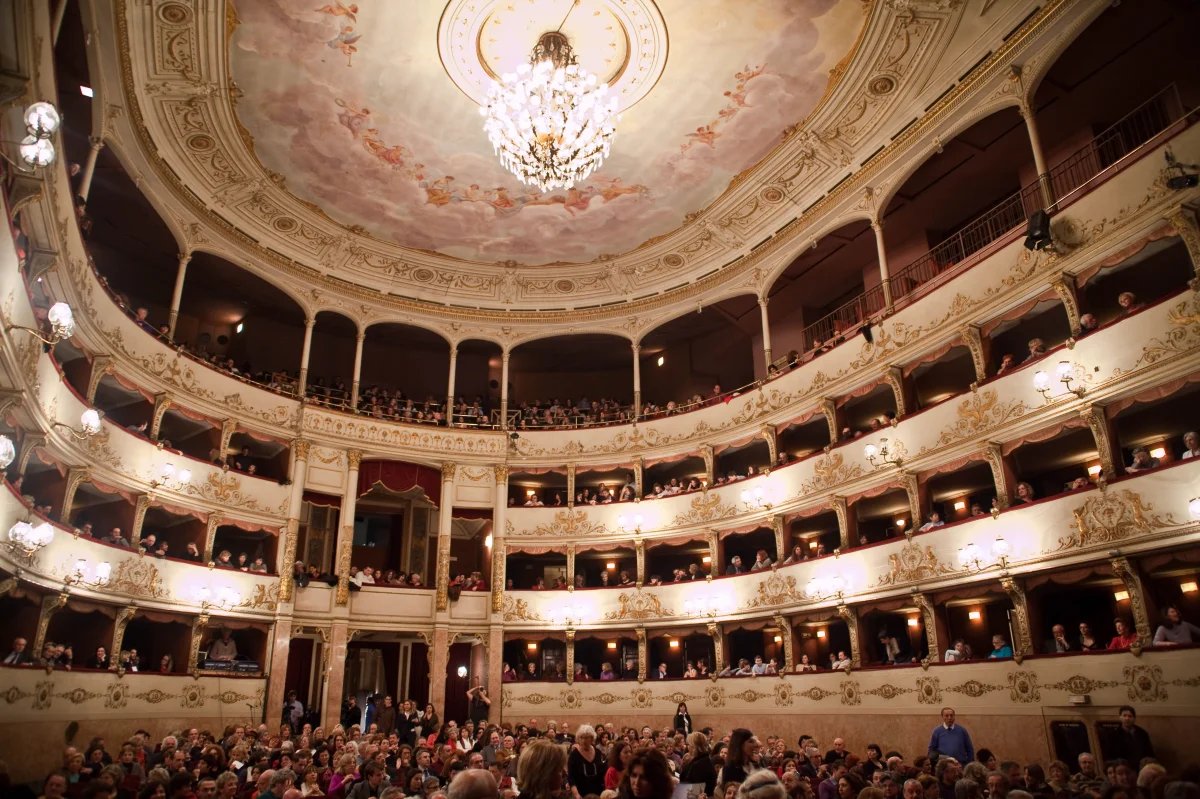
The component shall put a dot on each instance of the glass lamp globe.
(62, 319)
(42, 120)
(90, 421)
(37, 152)
(8, 452)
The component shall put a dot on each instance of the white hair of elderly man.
(472, 784)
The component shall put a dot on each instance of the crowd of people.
(390, 750)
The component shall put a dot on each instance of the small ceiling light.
(86, 91)
(820, 633)
(974, 615)
(1121, 596)
(1188, 587)
(1158, 452)
(661, 360)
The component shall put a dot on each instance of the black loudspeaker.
(1037, 235)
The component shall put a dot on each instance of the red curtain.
(322, 500)
(398, 476)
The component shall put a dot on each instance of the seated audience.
(1000, 648)
(1141, 461)
(1174, 630)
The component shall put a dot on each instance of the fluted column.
(972, 336)
(300, 450)
(570, 485)
(782, 550)
(766, 332)
(177, 295)
(445, 521)
(885, 278)
(124, 616)
(570, 656)
(358, 352)
(504, 357)
(89, 167)
(450, 385)
(305, 354)
(637, 380)
(345, 538)
(499, 553)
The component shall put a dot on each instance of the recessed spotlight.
(86, 91)
(240, 327)
(661, 360)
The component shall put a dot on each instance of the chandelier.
(550, 122)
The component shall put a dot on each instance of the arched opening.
(1156, 421)
(331, 361)
(673, 476)
(160, 641)
(170, 531)
(1050, 462)
(826, 293)
(815, 531)
(821, 639)
(605, 567)
(880, 517)
(605, 656)
(678, 562)
(963, 492)
(537, 658)
(940, 378)
(477, 374)
(405, 373)
(1161, 269)
(570, 381)
(684, 358)
(959, 201)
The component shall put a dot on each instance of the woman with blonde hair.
(540, 770)
(697, 763)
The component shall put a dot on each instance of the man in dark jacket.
(1130, 742)
(351, 713)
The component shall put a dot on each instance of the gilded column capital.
(302, 447)
(1184, 222)
(994, 455)
(354, 458)
(448, 471)
(500, 470)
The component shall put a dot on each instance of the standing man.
(951, 739)
(1130, 742)
(351, 713)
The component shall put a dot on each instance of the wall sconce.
(531, 646)
(960, 504)
(487, 541)
(972, 557)
(8, 452)
(820, 633)
(1188, 587)
(913, 623)
(974, 615)
(760, 498)
(709, 606)
(610, 566)
(1064, 372)
(461, 671)
(882, 454)
(1094, 470)
(673, 643)
(1158, 452)
(62, 325)
(28, 538)
(170, 477)
(611, 645)
(42, 121)
(1121, 596)
(706, 559)
(224, 598)
(778, 639)
(79, 575)
(630, 524)
(89, 425)
(826, 587)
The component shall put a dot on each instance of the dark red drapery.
(398, 476)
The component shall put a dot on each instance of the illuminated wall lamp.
(610, 566)
(1189, 587)
(1065, 372)
(487, 541)
(974, 615)
(779, 639)
(881, 454)
(1121, 596)
(461, 671)
(820, 633)
(1194, 507)
(1158, 452)
(673, 644)
(960, 505)
(630, 524)
(1094, 469)
(531, 646)
(706, 559)
(611, 644)
(8, 452)
(62, 325)
(901, 523)
(913, 623)
(89, 425)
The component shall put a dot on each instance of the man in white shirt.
(1191, 445)
(842, 661)
(368, 576)
(935, 520)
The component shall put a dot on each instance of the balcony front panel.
(385, 607)
(1134, 514)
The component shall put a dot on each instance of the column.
(637, 380)
(445, 520)
(345, 537)
(75, 477)
(99, 368)
(885, 279)
(1064, 286)
(917, 498)
(830, 410)
(782, 550)
(199, 627)
(210, 536)
(718, 639)
(972, 337)
(439, 659)
(302, 385)
(850, 616)
(847, 523)
(570, 485)
(895, 379)
(1132, 582)
(642, 653)
(639, 469)
(571, 567)
(139, 519)
(450, 385)
(710, 464)
(89, 167)
(767, 431)
(60, 11)
(358, 351)
(177, 295)
(639, 551)
(1039, 159)
(930, 622)
(51, 604)
(1184, 222)
(495, 684)
(1023, 645)
(499, 553)
(335, 677)
(281, 643)
(504, 356)
(785, 632)
(228, 428)
(570, 656)
(162, 403)
(1097, 420)
(300, 449)
(1000, 476)
(714, 553)
(766, 333)
(124, 616)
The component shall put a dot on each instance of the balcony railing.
(1065, 180)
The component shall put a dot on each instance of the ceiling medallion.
(550, 122)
